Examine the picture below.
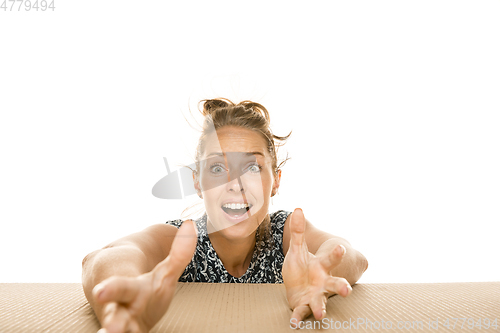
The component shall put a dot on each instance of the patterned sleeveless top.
(206, 266)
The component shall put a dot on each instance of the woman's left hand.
(307, 277)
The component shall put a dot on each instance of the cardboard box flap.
(204, 307)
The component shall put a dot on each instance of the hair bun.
(256, 107)
(209, 105)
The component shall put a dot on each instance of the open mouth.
(236, 211)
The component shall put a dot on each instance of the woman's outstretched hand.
(307, 277)
(135, 305)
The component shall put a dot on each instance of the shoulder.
(278, 220)
(175, 223)
(200, 223)
(279, 217)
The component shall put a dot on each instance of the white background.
(394, 107)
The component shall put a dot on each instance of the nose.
(235, 185)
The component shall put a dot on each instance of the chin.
(242, 228)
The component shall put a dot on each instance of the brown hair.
(221, 112)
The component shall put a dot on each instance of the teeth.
(235, 206)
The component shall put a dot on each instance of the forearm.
(107, 262)
(353, 264)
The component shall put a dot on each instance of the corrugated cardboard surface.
(200, 307)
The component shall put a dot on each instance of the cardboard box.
(203, 307)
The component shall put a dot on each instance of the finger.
(116, 289)
(116, 318)
(300, 313)
(334, 258)
(182, 249)
(134, 327)
(297, 229)
(337, 285)
(318, 306)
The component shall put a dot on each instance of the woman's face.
(235, 173)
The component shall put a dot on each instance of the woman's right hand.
(135, 305)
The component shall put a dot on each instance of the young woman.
(130, 283)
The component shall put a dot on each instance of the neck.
(236, 255)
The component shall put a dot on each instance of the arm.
(129, 256)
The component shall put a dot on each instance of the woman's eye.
(216, 169)
(254, 168)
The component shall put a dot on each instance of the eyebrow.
(247, 154)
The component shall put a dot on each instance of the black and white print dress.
(206, 266)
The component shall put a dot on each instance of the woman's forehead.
(235, 140)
